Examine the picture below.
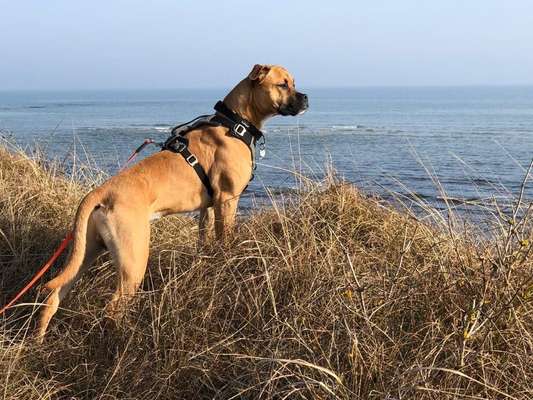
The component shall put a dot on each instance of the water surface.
(476, 141)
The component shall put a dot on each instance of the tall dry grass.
(329, 295)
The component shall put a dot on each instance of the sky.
(130, 44)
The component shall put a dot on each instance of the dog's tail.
(77, 254)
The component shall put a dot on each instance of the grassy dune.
(331, 295)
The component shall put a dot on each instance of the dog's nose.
(305, 99)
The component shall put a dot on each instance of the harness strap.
(181, 145)
(183, 129)
(239, 128)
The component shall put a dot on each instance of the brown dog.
(116, 216)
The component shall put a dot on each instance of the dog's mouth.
(297, 106)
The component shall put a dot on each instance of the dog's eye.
(283, 85)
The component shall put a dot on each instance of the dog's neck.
(241, 101)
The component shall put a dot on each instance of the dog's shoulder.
(212, 135)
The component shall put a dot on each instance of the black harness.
(239, 128)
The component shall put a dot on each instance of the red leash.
(64, 242)
(41, 272)
(137, 151)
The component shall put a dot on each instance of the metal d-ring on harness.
(238, 127)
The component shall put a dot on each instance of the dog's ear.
(259, 72)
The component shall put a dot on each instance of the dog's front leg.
(225, 211)
(205, 225)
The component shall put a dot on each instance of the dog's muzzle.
(298, 104)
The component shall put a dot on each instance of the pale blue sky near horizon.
(60, 44)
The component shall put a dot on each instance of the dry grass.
(330, 295)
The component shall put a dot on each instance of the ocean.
(466, 145)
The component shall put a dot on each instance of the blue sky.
(65, 44)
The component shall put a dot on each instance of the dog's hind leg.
(128, 242)
(61, 284)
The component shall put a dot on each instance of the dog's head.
(274, 91)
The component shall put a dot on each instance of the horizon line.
(398, 86)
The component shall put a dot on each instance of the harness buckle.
(179, 146)
(192, 160)
(239, 129)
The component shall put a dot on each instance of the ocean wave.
(69, 104)
(127, 128)
(319, 129)
(348, 127)
(285, 129)
(51, 105)
(151, 126)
